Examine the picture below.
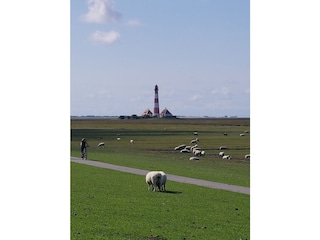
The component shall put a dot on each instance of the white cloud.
(134, 23)
(101, 11)
(105, 37)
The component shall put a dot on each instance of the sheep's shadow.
(171, 192)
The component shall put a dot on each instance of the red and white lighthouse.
(156, 102)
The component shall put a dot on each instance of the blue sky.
(196, 51)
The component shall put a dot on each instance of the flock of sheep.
(157, 179)
(197, 152)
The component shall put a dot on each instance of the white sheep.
(196, 149)
(242, 134)
(197, 152)
(195, 140)
(118, 138)
(223, 147)
(221, 154)
(156, 179)
(194, 158)
(228, 157)
(101, 144)
(180, 147)
(247, 156)
(184, 150)
(203, 153)
(195, 133)
(132, 141)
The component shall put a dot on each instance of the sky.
(196, 51)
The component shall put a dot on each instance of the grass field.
(106, 204)
(155, 140)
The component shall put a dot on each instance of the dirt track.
(175, 178)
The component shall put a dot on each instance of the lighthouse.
(156, 102)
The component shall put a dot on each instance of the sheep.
(153, 179)
(118, 138)
(132, 141)
(180, 147)
(247, 156)
(203, 153)
(221, 154)
(225, 134)
(228, 157)
(195, 140)
(195, 149)
(193, 158)
(156, 179)
(184, 150)
(101, 144)
(222, 147)
(198, 152)
(242, 134)
(195, 133)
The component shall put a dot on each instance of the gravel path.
(175, 178)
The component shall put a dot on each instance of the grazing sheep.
(184, 150)
(131, 141)
(246, 131)
(247, 156)
(195, 149)
(221, 154)
(195, 140)
(225, 134)
(156, 179)
(195, 133)
(193, 158)
(180, 147)
(101, 144)
(203, 153)
(228, 157)
(197, 152)
(153, 179)
(223, 148)
(118, 138)
(242, 134)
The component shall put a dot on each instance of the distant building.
(166, 114)
(147, 113)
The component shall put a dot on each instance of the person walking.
(83, 148)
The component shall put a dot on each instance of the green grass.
(155, 140)
(107, 204)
